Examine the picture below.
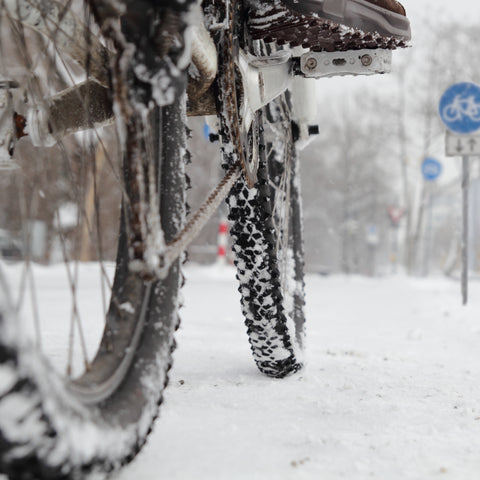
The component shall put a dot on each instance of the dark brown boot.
(392, 5)
(330, 25)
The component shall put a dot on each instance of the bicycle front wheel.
(267, 239)
(264, 208)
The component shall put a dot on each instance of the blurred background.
(367, 207)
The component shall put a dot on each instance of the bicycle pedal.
(351, 62)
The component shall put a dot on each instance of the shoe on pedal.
(330, 25)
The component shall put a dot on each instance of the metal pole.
(428, 231)
(395, 248)
(465, 191)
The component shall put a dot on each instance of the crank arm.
(263, 79)
(75, 109)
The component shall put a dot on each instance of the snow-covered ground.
(391, 390)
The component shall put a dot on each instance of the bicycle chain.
(200, 218)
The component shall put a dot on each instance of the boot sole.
(334, 25)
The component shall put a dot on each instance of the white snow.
(390, 390)
(7, 378)
(66, 216)
(127, 307)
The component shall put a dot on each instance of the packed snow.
(390, 390)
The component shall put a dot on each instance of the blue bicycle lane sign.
(459, 108)
(431, 169)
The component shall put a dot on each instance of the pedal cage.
(351, 62)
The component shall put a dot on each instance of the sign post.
(459, 110)
(395, 214)
(465, 191)
(431, 170)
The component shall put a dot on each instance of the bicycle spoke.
(93, 225)
(98, 162)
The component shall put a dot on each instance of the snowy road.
(391, 390)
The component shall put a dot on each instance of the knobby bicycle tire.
(267, 242)
(266, 221)
(54, 427)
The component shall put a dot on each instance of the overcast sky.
(467, 10)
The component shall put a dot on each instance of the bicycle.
(96, 417)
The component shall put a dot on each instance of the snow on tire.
(270, 276)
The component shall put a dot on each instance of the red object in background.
(222, 241)
(395, 214)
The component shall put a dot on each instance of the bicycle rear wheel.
(64, 415)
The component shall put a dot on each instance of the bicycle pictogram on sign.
(460, 107)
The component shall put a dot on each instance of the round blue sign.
(460, 107)
(431, 169)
